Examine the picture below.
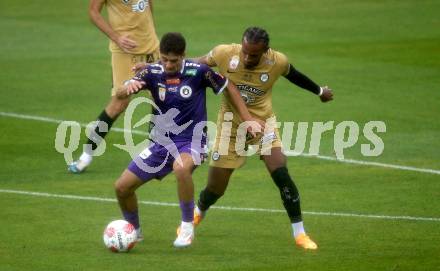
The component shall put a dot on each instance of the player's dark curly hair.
(172, 42)
(255, 35)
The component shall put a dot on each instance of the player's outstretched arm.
(129, 88)
(201, 60)
(233, 95)
(296, 77)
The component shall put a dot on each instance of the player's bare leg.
(276, 164)
(125, 188)
(183, 169)
(116, 106)
(218, 179)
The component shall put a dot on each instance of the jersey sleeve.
(215, 55)
(282, 63)
(213, 79)
(143, 76)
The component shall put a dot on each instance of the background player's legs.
(125, 188)
(111, 112)
(218, 179)
(121, 71)
(116, 106)
(276, 165)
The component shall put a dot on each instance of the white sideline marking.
(366, 163)
(51, 120)
(329, 158)
(40, 194)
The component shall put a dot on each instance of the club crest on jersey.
(264, 77)
(140, 6)
(233, 64)
(162, 93)
(185, 91)
(215, 156)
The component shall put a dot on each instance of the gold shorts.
(228, 153)
(122, 64)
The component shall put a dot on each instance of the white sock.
(186, 225)
(84, 161)
(298, 228)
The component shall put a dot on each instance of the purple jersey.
(184, 91)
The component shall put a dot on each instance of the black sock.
(104, 118)
(289, 193)
(206, 199)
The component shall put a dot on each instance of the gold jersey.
(133, 17)
(255, 84)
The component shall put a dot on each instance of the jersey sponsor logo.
(172, 89)
(250, 89)
(173, 81)
(140, 6)
(191, 64)
(191, 72)
(233, 63)
(269, 62)
(264, 77)
(156, 71)
(185, 91)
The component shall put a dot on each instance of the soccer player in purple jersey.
(178, 88)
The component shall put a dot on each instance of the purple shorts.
(156, 161)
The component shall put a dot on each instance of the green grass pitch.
(382, 58)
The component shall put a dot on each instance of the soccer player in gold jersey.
(254, 67)
(133, 39)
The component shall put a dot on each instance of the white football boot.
(185, 235)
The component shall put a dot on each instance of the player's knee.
(282, 179)
(182, 173)
(122, 190)
(285, 184)
(281, 176)
(183, 168)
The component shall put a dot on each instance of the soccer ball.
(119, 236)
